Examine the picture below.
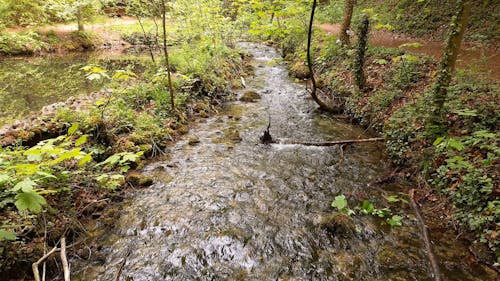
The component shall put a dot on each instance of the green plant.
(368, 208)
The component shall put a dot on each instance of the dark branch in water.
(266, 138)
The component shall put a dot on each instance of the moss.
(250, 96)
(193, 140)
(138, 180)
(339, 224)
(300, 70)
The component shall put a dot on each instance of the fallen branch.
(332, 143)
(64, 260)
(35, 265)
(425, 237)
(122, 264)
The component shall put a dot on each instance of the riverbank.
(106, 33)
(457, 174)
(65, 165)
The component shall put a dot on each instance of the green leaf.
(4, 179)
(7, 235)
(438, 141)
(46, 175)
(367, 207)
(340, 202)
(410, 45)
(112, 160)
(458, 145)
(81, 140)
(395, 221)
(466, 112)
(85, 159)
(73, 128)
(381, 61)
(31, 201)
(26, 185)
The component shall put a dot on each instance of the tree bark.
(346, 22)
(165, 52)
(359, 61)
(79, 19)
(447, 66)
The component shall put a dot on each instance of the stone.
(250, 96)
(138, 180)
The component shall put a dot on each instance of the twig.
(34, 266)
(64, 260)
(44, 268)
(425, 237)
(333, 143)
(120, 269)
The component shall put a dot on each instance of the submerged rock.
(250, 96)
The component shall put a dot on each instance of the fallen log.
(331, 143)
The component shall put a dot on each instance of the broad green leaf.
(46, 175)
(73, 128)
(340, 202)
(81, 140)
(367, 207)
(85, 159)
(4, 179)
(112, 160)
(7, 235)
(30, 201)
(26, 185)
(68, 155)
(438, 141)
(381, 61)
(395, 220)
(458, 145)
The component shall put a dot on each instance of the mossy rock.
(250, 96)
(183, 129)
(193, 140)
(339, 224)
(139, 180)
(390, 257)
(299, 70)
(233, 135)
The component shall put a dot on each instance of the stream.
(229, 208)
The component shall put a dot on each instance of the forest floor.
(484, 60)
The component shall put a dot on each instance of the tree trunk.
(165, 52)
(359, 60)
(314, 96)
(447, 66)
(346, 22)
(79, 19)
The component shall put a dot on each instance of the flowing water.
(231, 209)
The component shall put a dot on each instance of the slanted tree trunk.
(359, 60)
(447, 66)
(322, 105)
(165, 53)
(346, 22)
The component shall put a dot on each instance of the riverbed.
(225, 207)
